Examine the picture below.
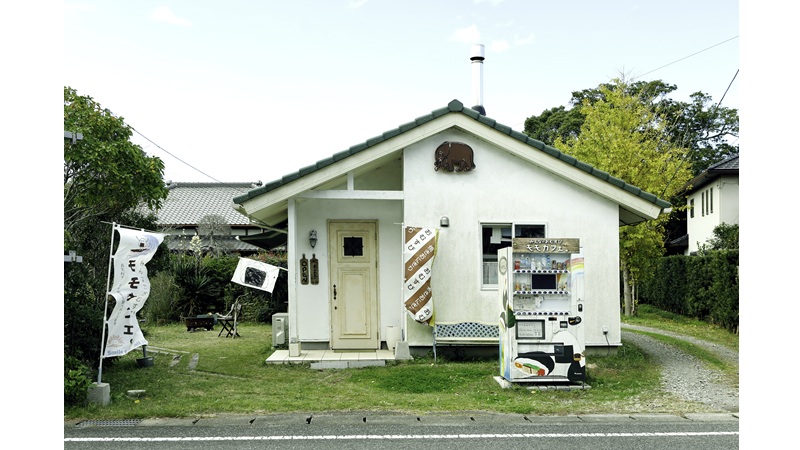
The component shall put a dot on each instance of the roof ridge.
(723, 162)
(212, 184)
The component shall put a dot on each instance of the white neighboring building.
(712, 199)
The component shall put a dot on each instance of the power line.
(685, 57)
(170, 154)
(728, 88)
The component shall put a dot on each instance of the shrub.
(203, 284)
(76, 381)
(200, 293)
(705, 287)
(161, 305)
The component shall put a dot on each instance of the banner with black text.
(130, 289)
(419, 250)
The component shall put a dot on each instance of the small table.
(228, 326)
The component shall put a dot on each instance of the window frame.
(515, 229)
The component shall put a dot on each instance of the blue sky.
(253, 90)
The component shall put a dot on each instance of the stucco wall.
(725, 194)
(729, 200)
(505, 189)
(313, 305)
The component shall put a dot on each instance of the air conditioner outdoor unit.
(280, 329)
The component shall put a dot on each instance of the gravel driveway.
(683, 374)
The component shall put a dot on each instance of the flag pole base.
(99, 393)
(147, 361)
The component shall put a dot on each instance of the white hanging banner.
(419, 250)
(130, 289)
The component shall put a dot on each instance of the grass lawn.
(198, 374)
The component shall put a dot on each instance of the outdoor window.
(691, 208)
(711, 201)
(497, 236)
(353, 246)
(703, 204)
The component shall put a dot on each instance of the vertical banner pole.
(403, 314)
(105, 308)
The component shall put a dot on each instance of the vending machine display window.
(543, 282)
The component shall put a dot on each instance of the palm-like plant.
(199, 291)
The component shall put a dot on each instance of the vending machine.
(541, 311)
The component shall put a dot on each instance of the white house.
(356, 202)
(712, 200)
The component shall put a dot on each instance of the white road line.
(393, 437)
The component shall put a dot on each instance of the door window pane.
(353, 246)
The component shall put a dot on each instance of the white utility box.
(280, 329)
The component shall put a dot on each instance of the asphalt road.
(385, 431)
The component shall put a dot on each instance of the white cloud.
(164, 14)
(355, 4)
(469, 35)
(499, 46)
(527, 40)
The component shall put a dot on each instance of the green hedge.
(705, 287)
(191, 286)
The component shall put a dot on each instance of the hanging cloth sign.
(256, 274)
(419, 250)
(130, 289)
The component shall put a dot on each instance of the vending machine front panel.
(541, 303)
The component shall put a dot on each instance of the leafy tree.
(555, 123)
(106, 179)
(212, 227)
(699, 125)
(104, 173)
(623, 136)
(725, 237)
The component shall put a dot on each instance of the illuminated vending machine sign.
(541, 303)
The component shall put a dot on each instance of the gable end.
(456, 106)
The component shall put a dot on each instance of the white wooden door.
(354, 286)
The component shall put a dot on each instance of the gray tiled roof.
(732, 163)
(728, 166)
(454, 106)
(188, 203)
(230, 243)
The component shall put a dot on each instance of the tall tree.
(701, 126)
(107, 178)
(623, 136)
(104, 173)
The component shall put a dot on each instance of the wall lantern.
(444, 222)
(312, 238)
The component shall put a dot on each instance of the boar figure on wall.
(454, 156)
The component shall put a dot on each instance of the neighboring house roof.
(231, 243)
(188, 203)
(455, 106)
(728, 166)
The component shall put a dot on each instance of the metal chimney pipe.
(477, 77)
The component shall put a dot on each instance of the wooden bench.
(193, 323)
(465, 333)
